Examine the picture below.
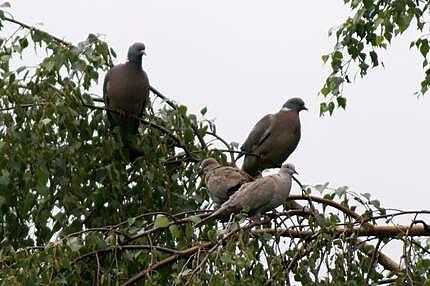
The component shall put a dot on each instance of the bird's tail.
(218, 213)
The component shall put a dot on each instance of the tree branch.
(179, 254)
(379, 231)
(31, 28)
(175, 107)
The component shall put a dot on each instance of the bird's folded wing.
(105, 88)
(257, 133)
(255, 195)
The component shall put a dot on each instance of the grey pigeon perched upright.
(222, 181)
(126, 90)
(259, 196)
(273, 138)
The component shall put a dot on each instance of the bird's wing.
(253, 196)
(146, 90)
(105, 88)
(106, 98)
(223, 182)
(258, 134)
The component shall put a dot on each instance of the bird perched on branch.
(125, 93)
(222, 181)
(259, 196)
(273, 138)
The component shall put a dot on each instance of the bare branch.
(379, 231)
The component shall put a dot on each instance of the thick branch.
(329, 203)
(380, 231)
(380, 257)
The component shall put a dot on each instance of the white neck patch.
(285, 109)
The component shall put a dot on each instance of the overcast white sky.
(244, 59)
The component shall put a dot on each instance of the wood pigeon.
(273, 138)
(126, 90)
(222, 181)
(259, 196)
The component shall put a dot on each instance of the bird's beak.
(143, 52)
(304, 108)
(295, 172)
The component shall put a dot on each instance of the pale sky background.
(244, 59)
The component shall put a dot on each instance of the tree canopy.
(74, 211)
(360, 39)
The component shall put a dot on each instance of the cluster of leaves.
(361, 37)
(61, 168)
(73, 210)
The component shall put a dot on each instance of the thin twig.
(175, 107)
(152, 124)
(31, 28)
(232, 160)
(128, 247)
(25, 105)
(374, 259)
(181, 253)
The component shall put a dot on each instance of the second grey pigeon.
(222, 181)
(257, 197)
(273, 138)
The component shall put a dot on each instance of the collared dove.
(259, 196)
(126, 90)
(222, 181)
(273, 138)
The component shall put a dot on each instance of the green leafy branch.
(360, 38)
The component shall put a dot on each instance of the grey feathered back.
(222, 181)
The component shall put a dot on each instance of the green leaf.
(375, 203)
(341, 101)
(195, 219)
(424, 47)
(4, 178)
(374, 58)
(174, 231)
(366, 195)
(74, 243)
(341, 191)
(161, 221)
(325, 90)
(321, 188)
(331, 107)
(5, 5)
(323, 108)
(324, 58)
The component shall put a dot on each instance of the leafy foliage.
(74, 211)
(362, 36)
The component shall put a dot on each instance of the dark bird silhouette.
(126, 91)
(257, 197)
(222, 181)
(273, 138)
